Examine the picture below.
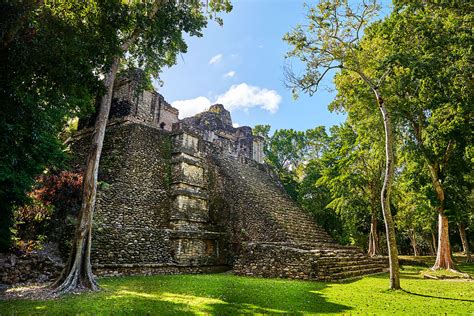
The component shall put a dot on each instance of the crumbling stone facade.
(194, 195)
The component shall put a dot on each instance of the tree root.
(455, 274)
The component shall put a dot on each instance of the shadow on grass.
(428, 262)
(226, 294)
(466, 267)
(273, 296)
(188, 294)
(438, 297)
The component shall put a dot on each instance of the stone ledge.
(204, 218)
(188, 181)
(191, 152)
(152, 269)
(195, 234)
(187, 185)
(178, 158)
(197, 195)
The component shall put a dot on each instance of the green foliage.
(262, 130)
(30, 224)
(414, 198)
(287, 151)
(53, 53)
(226, 294)
(429, 54)
(419, 58)
(315, 198)
(50, 55)
(432, 74)
(297, 157)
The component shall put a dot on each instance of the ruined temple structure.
(194, 196)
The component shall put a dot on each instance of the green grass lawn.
(225, 294)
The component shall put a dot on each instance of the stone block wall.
(277, 260)
(152, 206)
(132, 210)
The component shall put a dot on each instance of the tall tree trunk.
(77, 274)
(413, 243)
(374, 248)
(465, 241)
(443, 254)
(385, 196)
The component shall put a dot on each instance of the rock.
(31, 267)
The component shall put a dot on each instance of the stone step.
(308, 233)
(342, 256)
(354, 273)
(337, 269)
(306, 240)
(331, 249)
(346, 262)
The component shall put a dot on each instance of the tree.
(262, 131)
(352, 170)
(331, 41)
(51, 56)
(314, 197)
(459, 184)
(288, 151)
(149, 35)
(414, 198)
(366, 146)
(430, 53)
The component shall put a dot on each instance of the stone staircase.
(306, 250)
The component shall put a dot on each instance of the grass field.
(225, 294)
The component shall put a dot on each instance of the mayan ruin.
(236, 157)
(194, 195)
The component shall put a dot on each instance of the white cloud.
(230, 74)
(215, 60)
(191, 107)
(235, 125)
(244, 96)
(238, 97)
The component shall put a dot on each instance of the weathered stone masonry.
(194, 195)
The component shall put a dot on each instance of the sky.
(240, 65)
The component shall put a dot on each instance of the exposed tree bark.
(443, 254)
(385, 195)
(374, 248)
(77, 274)
(465, 241)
